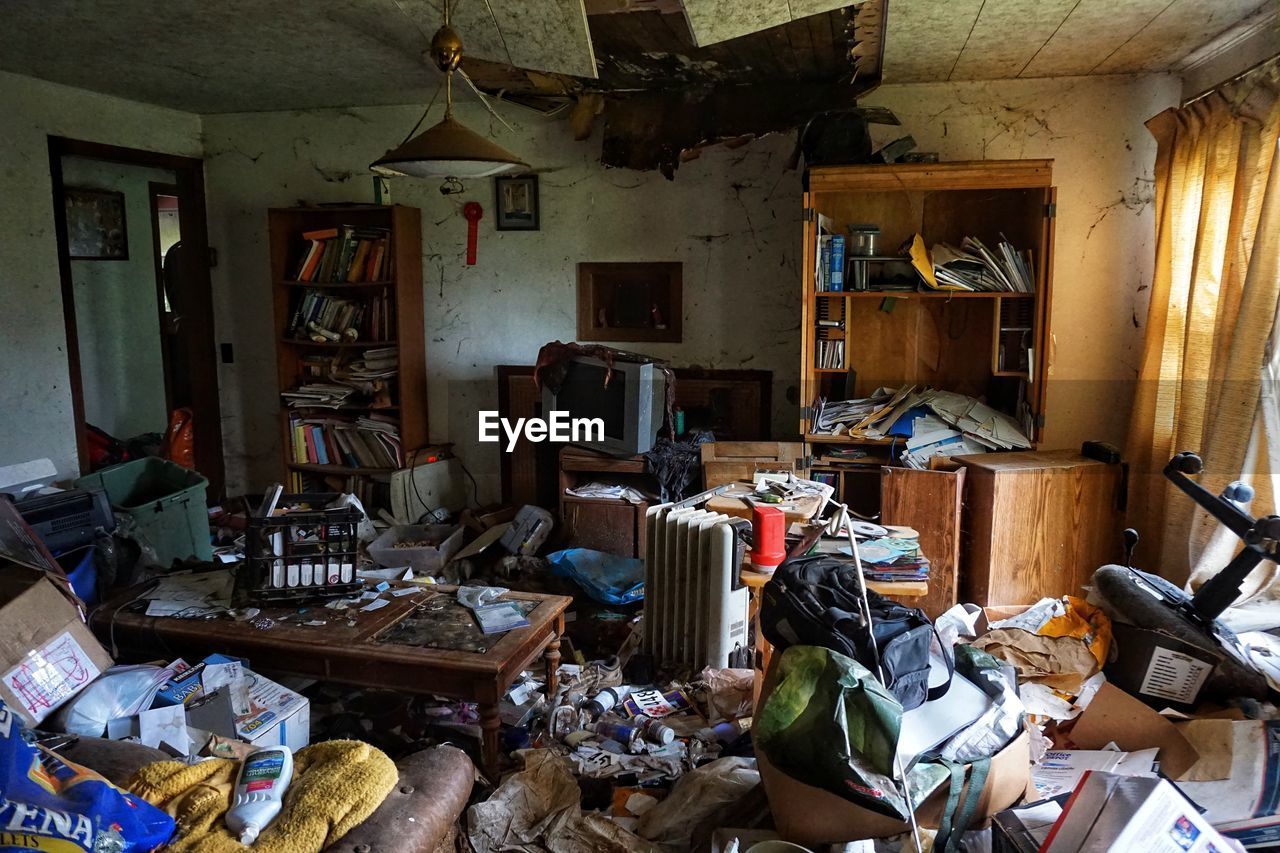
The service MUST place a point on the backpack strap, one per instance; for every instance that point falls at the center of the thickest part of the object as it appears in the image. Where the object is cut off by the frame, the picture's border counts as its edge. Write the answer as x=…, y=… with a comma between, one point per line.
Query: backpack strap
x=964, y=815
x=948, y=657
x=952, y=804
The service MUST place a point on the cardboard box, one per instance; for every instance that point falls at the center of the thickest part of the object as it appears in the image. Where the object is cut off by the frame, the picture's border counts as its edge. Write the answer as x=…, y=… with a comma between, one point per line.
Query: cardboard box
x=814, y=817
x=47, y=653
x=277, y=717
x=1117, y=814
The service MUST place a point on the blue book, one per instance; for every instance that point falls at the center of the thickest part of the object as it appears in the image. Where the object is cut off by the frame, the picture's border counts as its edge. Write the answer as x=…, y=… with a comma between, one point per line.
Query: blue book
x=836, y=271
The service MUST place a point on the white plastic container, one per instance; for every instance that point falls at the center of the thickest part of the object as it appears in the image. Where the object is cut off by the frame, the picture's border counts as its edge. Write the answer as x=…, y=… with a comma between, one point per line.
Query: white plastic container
x=264, y=777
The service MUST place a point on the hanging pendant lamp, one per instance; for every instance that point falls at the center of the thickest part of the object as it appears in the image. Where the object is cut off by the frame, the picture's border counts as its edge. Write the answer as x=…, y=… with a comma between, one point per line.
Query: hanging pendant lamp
x=448, y=149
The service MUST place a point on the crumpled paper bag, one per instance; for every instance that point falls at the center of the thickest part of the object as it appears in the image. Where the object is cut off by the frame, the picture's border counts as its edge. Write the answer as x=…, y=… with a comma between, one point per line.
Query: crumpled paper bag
x=1063, y=663
x=729, y=693
x=542, y=805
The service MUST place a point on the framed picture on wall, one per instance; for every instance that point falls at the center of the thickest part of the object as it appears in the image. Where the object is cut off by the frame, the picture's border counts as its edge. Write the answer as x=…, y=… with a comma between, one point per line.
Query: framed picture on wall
x=96, y=229
x=516, y=202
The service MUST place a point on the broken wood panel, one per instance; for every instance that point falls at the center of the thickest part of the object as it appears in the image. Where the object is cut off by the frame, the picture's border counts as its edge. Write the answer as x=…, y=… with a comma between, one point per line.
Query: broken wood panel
x=650, y=130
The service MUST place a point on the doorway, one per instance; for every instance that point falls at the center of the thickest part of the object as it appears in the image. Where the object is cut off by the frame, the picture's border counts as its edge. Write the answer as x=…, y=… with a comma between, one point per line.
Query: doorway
x=134, y=259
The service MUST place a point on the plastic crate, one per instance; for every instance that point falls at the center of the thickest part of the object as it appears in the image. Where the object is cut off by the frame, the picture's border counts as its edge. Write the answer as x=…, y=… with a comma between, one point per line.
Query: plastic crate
x=305, y=554
x=165, y=500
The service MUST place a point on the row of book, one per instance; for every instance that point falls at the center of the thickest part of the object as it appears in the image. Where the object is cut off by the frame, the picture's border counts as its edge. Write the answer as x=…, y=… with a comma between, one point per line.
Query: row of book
x=974, y=267
x=829, y=275
x=371, y=492
x=322, y=317
x=345, y=254
x=371, y=441
x=830, y=355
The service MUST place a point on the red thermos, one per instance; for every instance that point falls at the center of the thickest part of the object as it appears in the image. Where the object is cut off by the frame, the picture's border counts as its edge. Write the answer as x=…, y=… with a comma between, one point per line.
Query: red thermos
x=768, y=532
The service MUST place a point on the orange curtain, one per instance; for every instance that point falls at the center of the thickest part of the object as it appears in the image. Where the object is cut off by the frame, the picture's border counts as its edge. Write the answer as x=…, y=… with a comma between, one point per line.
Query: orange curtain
x=1210, y=324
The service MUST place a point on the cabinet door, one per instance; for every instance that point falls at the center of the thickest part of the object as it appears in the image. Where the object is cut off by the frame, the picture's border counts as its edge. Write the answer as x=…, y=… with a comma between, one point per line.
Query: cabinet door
x=1037, y=393
x=807, y=332
x=610, y=526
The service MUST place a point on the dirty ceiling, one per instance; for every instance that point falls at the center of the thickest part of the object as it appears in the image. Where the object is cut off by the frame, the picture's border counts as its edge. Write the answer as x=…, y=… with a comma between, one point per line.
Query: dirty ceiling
x=1000, y=39
x=251, y=55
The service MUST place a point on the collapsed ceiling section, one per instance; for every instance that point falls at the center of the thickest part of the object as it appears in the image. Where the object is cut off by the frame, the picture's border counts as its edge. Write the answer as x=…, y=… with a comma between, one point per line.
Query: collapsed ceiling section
x=661, y=97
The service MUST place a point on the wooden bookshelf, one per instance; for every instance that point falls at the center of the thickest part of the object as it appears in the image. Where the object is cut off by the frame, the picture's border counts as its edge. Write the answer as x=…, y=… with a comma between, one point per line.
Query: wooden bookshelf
x=972, y=343
x=402, y=286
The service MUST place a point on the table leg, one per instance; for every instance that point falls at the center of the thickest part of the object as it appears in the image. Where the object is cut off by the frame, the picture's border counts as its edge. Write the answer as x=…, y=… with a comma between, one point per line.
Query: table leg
x=552, y=656
x=490, y=723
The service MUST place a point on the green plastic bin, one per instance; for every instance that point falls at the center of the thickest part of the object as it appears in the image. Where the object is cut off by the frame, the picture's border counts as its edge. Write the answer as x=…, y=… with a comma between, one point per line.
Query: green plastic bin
x=166, y=501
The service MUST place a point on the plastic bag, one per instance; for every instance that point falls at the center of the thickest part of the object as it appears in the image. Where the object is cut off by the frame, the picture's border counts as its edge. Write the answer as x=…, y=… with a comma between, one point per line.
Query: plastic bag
x=698, y=795
x=121, y=691
x=180, y=439
x=52, y=804
x=607, y=578
x=830, y=724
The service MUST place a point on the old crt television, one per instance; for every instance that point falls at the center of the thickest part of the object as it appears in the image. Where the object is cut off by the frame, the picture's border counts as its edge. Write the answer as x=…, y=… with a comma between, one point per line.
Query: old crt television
x=631, y=405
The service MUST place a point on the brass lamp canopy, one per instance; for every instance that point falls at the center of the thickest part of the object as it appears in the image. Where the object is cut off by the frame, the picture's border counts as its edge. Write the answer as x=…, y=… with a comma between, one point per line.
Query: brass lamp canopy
x=448, y=149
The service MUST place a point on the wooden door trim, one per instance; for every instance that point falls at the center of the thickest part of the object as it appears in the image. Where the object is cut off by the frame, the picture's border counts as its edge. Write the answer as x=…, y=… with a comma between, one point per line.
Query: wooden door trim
x=193, y=221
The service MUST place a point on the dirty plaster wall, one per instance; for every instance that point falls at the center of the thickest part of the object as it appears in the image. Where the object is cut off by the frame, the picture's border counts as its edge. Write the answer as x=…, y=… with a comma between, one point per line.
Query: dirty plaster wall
x=732, y=218
x=1104, y=158
x=35, y=399
x=117, y=318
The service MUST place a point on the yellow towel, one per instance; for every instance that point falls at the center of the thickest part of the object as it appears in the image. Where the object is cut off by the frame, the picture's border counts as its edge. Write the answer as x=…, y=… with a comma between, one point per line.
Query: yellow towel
x=336, y=785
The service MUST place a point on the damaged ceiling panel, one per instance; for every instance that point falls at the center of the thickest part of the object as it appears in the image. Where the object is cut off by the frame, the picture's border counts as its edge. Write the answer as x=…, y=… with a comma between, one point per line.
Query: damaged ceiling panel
x=663, y=97
x=713, y=21
x=1004, y=39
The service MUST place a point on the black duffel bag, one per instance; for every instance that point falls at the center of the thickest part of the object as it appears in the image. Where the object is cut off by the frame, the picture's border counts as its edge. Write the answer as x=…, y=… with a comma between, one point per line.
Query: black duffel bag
x=817, y=601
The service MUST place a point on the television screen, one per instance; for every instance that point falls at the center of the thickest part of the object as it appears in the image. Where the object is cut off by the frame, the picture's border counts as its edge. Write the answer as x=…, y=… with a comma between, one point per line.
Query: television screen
x=584, y=395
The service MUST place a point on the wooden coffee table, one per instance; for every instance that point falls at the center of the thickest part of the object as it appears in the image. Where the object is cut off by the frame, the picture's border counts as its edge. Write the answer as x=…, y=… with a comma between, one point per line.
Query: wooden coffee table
x=420, y=643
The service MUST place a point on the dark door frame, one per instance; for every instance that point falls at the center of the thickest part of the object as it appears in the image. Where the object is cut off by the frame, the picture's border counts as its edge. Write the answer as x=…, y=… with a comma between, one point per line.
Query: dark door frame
x=192, y=220
x=154, y=191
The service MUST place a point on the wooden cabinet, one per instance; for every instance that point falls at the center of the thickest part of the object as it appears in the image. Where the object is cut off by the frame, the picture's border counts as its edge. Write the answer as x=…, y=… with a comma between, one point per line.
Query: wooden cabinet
x=929, y=502
x=1038, y=524
x=603, y=524
x=990, y=345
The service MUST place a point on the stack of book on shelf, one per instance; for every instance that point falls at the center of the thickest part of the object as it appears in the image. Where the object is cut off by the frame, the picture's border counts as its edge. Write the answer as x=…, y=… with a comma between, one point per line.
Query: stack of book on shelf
x=321, y=317
x=974, y=267
x=345, y=255
x=929, y=423
x=367, y=442
x=318, y=395
x=378, y=363
x=828, y=275
x=896, y=557
x=830, y=355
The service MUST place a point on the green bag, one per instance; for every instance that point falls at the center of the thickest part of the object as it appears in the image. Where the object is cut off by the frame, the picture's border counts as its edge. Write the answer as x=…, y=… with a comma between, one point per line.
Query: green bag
x=830, y=724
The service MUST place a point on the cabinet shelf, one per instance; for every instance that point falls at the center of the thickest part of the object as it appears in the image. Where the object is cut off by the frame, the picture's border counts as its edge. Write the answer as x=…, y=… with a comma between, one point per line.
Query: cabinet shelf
x=339, y=285
x=924, y=294
x=336, y=469
x=293, y=342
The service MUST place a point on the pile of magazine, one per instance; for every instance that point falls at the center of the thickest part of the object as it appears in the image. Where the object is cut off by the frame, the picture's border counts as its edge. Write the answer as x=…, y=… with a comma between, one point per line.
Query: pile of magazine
x=974, y=267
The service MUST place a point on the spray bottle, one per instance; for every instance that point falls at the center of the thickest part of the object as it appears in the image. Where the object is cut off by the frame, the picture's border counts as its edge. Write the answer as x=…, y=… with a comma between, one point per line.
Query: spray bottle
x=259, y=794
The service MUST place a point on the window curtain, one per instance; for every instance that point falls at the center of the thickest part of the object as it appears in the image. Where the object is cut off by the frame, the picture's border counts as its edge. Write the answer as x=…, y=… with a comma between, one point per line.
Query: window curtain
x=1211, y=357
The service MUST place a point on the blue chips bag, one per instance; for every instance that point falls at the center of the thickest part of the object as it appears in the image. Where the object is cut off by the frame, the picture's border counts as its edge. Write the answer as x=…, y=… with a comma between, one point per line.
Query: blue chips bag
x=49, y=804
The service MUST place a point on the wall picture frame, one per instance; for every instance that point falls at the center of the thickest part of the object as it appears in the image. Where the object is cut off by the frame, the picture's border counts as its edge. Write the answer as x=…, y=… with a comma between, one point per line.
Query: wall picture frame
x=516, y=203
x=96, y=226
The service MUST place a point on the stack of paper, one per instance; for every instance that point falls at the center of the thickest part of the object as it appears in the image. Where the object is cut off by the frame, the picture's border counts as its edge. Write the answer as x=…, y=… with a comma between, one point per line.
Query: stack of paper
x=932, y=422
x=318, y=395
x=974, y=267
